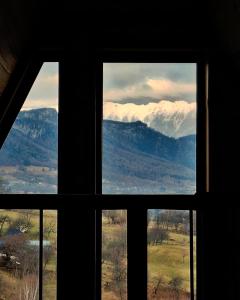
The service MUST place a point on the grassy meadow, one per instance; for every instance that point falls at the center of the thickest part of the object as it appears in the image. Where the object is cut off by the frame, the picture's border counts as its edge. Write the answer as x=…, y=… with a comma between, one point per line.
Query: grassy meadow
x=114, y=255
x=168, y=255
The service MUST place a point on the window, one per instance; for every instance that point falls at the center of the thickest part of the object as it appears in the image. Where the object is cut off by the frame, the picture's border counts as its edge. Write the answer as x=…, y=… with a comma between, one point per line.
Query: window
x=152, y=119
x=29, y=165
x=87, y=226
x=149, y=128
x=21, y=254
x=114, y=254
x=49, y=255
x=169, y=254
x=29, y=156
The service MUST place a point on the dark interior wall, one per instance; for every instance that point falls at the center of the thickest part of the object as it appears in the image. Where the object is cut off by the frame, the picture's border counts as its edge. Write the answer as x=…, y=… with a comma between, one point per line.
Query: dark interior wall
x=209, y=27
x=77, y=36
x=15, y=31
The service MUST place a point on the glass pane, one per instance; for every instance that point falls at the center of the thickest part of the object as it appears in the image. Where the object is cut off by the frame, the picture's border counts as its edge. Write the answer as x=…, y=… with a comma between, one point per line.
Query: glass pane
x=149, y=128
x=114, y=255
x=28, y=158
x=50, y=255
x=195, y=252
x=168, y=255
x=19, y=254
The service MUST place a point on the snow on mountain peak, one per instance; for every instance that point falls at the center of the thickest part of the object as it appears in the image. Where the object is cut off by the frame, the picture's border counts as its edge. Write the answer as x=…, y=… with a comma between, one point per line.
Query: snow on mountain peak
x=172, y=118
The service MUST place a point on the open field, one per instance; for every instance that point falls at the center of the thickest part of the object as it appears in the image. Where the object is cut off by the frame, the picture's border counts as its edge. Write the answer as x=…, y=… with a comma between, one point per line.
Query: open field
x=114, y=255
x=168, y=256
x=170, y=259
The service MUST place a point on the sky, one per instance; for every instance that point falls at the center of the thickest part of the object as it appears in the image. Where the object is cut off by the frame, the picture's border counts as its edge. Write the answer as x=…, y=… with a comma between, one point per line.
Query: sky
x=142, y=83
x=44, y=92
x=138, y=83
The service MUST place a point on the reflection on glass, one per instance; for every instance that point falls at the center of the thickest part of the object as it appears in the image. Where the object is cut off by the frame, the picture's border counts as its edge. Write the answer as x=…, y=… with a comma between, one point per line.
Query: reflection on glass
x=168, y=255
x=50, y=255
x=19, y=254
x=114, y=255
x=149, y=128
x=28, y=157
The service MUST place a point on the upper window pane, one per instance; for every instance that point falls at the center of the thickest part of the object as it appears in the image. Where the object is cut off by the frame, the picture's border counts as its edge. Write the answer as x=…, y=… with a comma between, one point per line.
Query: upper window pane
x=149, y=128
x=28, y=158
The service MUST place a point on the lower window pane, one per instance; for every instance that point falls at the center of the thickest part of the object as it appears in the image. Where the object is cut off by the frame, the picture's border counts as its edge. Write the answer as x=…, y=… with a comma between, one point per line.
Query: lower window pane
x=49, y=254
x=114, y=254
x=19, y=254
x=195, y=252
x=168, y=254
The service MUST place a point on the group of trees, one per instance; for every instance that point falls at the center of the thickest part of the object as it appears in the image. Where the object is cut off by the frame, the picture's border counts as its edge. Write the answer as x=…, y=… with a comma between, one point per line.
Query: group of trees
x=156, y=235
x=22, y=223
x=177, y=220
x=161, y=222
x=19, y=257
x=115, y=216
x=114, y=253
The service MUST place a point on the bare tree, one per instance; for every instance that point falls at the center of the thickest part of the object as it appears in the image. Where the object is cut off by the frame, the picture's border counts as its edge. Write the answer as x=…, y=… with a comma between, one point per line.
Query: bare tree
x=175, y=285
x=157, y=235
x=48, y=253
x=20, y=257
x=3, y=220
x=157, y=286
x=29, y=288
x=115, y=217
x=49, y=229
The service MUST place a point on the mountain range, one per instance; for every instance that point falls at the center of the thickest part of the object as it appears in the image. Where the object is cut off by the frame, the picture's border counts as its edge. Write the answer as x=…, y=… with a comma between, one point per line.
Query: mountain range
x=138, y=159
x=32, y=140
x=172, y=118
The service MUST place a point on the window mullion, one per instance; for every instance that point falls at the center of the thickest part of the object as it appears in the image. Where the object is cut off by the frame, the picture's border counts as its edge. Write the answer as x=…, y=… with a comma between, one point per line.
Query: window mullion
x=191, y=255
x=98, y=254
x=40, y=254
x=137, y=254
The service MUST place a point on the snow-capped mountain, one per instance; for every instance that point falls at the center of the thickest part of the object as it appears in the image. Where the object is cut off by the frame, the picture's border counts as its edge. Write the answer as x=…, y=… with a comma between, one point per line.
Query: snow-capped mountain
x=172, y=118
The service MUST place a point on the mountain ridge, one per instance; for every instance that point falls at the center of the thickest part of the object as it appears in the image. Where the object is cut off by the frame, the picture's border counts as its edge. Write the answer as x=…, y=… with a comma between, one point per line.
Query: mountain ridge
x=138, y=159
x=32, y=139
x=172, y=118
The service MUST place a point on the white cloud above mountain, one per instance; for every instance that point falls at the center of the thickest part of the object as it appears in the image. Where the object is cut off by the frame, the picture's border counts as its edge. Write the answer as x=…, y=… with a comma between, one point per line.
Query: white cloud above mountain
x=153, y=80
x=172, y=118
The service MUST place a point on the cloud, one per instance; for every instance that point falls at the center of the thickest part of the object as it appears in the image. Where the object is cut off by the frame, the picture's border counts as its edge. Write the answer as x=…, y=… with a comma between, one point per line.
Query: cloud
x=174, y=119
x=44, y=87
x=44, y=92
x=153, y=88
x=153, y=80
